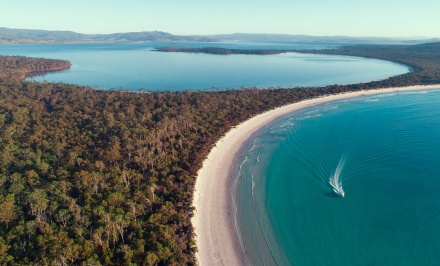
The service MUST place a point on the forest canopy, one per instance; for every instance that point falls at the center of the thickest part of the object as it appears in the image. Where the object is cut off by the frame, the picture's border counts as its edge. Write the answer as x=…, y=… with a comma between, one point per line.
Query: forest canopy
x=92, y=177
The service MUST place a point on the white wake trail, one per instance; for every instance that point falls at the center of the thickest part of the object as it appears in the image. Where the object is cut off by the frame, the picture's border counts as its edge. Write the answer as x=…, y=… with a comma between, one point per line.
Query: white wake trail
x=335, y=181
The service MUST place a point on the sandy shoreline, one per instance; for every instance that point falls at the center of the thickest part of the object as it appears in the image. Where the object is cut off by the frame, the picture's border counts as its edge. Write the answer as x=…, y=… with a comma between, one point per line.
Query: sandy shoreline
x=214, y=220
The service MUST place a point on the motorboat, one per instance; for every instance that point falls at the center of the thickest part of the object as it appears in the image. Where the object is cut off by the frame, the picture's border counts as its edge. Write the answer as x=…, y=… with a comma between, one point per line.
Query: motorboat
x=339, y=191
x=337, y=188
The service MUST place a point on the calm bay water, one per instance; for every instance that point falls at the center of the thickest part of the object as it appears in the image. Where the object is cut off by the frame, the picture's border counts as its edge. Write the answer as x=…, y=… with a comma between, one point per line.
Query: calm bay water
x=388, y=150
x=135, y=66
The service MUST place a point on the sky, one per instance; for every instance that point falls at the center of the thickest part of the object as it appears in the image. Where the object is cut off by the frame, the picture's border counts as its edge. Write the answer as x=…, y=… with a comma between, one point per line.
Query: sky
x=381, y=18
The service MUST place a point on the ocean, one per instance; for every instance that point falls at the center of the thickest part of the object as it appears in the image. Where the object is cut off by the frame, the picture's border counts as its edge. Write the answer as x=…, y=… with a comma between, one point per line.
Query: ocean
x=385, y=151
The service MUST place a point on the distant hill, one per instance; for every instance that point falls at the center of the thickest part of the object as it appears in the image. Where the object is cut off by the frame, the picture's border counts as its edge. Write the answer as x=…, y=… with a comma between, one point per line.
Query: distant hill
x=37, y=36
x=249, y=37
x=15, y=36
x=42, y=36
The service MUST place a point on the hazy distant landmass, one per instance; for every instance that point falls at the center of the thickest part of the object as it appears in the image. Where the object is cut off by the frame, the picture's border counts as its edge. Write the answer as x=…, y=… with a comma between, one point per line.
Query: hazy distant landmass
x=24, y=36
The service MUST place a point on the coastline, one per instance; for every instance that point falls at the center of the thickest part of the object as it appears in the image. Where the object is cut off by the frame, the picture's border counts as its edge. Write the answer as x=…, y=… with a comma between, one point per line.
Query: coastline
x=214, y=221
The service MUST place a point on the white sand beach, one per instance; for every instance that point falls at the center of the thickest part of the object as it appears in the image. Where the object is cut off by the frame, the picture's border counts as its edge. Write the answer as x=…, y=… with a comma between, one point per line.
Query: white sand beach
x=214, y=219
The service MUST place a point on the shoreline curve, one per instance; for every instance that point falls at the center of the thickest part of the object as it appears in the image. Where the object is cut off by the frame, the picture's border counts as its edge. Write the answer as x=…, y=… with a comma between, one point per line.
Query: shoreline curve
x=214, y=220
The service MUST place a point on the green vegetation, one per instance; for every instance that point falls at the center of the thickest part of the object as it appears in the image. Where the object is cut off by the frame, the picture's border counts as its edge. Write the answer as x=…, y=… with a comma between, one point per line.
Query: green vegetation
x=106, y=177
x=220, y=51
x=17, y=68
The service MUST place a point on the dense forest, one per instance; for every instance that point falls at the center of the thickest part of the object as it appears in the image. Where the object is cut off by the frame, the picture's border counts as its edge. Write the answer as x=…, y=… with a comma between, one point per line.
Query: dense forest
x=220, y=51
x=93, y=177
x=17, y=68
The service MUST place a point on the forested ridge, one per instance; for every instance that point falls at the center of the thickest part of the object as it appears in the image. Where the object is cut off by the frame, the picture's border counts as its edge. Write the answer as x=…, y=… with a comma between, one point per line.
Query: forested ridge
x=93, y=177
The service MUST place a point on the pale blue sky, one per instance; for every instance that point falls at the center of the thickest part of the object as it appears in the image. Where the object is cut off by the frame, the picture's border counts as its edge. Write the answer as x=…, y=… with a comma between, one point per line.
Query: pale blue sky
x=392, y=18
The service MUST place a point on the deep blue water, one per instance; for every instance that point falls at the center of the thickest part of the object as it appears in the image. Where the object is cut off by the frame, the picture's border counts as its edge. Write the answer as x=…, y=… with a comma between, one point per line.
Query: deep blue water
x=387, y=149
x=135, y=66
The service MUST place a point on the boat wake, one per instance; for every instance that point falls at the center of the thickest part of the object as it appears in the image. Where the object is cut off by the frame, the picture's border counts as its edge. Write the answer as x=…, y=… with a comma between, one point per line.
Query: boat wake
x=335, y=180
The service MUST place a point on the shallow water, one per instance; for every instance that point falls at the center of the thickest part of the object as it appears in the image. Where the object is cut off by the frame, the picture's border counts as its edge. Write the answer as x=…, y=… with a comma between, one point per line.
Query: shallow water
x=135, y=66
x=390, y=148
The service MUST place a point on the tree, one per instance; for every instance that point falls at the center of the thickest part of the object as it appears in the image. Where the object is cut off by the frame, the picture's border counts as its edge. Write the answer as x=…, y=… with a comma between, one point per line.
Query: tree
x=7, y=209
x=38, y=203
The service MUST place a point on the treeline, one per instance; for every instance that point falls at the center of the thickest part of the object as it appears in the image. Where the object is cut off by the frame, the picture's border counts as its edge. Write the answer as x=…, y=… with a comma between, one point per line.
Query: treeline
x=220, y=51
x=16, y=68
x=92, y=177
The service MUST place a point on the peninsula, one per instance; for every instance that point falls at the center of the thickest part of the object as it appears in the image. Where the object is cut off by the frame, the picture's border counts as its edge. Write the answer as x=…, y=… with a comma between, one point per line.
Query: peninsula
x=108, y=177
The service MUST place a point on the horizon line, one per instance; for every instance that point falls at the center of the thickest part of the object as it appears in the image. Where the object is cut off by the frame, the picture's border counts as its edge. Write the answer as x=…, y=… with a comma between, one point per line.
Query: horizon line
x=234, y=33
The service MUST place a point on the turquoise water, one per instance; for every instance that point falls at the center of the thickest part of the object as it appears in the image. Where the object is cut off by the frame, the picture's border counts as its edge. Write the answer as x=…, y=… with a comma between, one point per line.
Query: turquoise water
x=135, y=66
x=388, y=151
